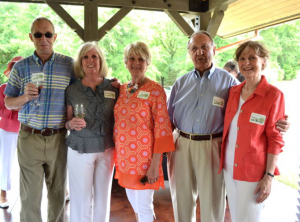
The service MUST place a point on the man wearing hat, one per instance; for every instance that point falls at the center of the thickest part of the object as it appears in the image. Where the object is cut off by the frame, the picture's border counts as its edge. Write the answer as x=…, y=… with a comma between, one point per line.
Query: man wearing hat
x=42, y=152
x=9, y=128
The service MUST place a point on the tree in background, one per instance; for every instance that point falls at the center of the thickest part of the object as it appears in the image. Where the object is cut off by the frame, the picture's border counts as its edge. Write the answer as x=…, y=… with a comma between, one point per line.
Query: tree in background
x=167, y=43
x=283, y=41
x=170, y=51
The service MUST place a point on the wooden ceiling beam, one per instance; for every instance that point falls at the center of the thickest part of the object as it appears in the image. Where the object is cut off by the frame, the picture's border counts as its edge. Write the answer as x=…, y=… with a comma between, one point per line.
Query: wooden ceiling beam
x=61, y=12
x=113, y=21
x=180, y=22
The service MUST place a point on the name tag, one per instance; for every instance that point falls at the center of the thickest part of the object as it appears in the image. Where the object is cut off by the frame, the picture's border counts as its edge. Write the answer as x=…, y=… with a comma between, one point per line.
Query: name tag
x=37, y=77
x=257, y=119
x=109, y=94
x=143, y=95
x=217, y=101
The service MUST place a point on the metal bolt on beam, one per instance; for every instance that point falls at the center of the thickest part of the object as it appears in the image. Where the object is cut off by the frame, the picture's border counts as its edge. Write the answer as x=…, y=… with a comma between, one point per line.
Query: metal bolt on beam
x=169, y=5
x=133, y=2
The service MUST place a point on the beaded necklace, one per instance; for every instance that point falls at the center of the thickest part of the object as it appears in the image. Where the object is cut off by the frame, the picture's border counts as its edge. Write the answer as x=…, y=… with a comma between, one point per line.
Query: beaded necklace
x=133, y=89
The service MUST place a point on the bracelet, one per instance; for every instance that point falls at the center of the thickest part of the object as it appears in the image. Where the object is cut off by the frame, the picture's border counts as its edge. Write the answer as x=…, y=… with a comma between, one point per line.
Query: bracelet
x=269, y=174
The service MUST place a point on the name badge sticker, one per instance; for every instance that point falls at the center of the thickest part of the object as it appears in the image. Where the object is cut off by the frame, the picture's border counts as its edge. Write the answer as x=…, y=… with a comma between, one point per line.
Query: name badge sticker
x=257, y=118
x=109, y=94
x=37, y=77
x=143, y=95
x=217, y=101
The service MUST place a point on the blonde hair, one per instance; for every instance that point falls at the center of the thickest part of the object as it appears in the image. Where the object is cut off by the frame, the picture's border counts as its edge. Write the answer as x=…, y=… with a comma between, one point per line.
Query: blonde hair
x=83, y=49
x=138, y=49
x=259, y=48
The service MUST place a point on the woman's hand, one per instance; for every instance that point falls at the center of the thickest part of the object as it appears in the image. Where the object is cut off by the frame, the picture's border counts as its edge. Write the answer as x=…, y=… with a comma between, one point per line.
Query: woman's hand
x=77, y=124
x=263, y=188
x=153, y=171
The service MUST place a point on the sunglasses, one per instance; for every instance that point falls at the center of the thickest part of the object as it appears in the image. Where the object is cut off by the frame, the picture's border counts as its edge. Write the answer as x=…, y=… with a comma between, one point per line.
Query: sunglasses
x=39, y=35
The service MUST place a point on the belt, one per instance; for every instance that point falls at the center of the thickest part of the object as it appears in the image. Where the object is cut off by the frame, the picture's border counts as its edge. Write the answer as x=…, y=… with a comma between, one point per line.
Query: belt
x=43, y=132
x=200, y=137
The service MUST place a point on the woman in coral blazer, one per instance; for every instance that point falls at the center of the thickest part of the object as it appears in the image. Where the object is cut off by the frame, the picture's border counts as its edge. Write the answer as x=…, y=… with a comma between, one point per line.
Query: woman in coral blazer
x=251, y=143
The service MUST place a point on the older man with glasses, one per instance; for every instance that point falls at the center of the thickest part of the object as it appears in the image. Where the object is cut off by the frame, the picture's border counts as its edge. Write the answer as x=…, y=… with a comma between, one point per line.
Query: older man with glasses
x=196, y=109
x=41, y=145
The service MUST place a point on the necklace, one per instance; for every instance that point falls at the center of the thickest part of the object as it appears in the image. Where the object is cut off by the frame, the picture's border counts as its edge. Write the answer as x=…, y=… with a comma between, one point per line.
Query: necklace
x=133, y=89
x=248, y=90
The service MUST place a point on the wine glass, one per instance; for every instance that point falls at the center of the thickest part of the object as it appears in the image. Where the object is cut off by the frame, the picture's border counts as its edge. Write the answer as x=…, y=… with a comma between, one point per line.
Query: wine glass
x=79, y=110
x=39, y=86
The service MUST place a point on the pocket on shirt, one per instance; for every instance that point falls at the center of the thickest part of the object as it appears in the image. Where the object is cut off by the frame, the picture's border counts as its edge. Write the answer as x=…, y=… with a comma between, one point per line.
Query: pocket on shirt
x=23, y=134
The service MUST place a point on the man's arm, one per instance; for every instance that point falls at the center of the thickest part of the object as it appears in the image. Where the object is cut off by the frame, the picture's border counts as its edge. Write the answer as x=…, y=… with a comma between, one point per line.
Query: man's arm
x=30, y=93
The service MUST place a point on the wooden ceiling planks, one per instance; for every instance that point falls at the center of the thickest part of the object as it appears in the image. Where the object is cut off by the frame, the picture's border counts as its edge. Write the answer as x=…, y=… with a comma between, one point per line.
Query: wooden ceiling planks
x=247, y=15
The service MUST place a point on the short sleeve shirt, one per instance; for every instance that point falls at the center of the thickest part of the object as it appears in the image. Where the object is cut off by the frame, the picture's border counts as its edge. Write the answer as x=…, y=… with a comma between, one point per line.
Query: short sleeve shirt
x=58, y=74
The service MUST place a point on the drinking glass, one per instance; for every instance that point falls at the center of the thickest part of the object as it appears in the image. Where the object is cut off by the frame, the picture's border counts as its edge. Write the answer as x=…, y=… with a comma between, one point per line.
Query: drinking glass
x=39, y=87
x=79, y=110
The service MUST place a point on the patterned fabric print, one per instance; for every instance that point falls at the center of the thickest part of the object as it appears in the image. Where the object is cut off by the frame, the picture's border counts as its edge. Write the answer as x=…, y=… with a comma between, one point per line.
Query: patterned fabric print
x=139, y=122
x=97, y=136
x=58, y=74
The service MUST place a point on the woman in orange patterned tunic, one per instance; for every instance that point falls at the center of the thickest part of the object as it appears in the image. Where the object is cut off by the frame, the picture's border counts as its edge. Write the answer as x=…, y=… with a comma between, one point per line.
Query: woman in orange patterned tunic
x=142, y=133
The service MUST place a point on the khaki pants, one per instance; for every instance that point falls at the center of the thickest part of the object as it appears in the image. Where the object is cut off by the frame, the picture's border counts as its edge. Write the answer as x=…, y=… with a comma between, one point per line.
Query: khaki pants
x=42, y=157
x=193, y=171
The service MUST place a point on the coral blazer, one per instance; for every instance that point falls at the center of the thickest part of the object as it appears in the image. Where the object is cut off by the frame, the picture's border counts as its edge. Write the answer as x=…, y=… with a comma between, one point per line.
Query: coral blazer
x=257, y=135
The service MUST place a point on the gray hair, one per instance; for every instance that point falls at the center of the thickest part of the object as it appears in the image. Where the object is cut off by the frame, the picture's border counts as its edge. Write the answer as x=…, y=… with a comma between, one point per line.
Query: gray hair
x=41, y=19
x=232, y=65
x=200, y=32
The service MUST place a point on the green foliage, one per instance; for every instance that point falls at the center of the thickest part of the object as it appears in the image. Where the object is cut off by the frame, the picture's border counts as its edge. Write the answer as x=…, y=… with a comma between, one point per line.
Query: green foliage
x=283, y=42
x=169, y=49
x=167, y=43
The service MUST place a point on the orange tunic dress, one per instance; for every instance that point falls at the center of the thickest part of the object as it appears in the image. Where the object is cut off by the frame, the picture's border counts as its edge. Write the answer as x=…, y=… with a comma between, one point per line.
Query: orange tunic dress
x=142, y=128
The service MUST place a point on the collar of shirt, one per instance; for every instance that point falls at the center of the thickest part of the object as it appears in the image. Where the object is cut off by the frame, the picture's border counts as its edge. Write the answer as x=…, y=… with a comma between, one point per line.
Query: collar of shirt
x=84, y=88
x=207, y=74
x=260, y=90
x=39, y=62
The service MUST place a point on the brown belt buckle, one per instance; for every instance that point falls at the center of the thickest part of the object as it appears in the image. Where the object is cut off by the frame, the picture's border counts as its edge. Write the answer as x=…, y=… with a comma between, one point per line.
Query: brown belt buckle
x=45, y=132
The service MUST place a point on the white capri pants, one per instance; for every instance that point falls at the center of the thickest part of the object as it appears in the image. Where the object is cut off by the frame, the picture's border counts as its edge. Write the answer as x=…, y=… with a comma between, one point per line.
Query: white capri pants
x=8, y=146
x=142, y=203
x=241, y=198
x=90, y=180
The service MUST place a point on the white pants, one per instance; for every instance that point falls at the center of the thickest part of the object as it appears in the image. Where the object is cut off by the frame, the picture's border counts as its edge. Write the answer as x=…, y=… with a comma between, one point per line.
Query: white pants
x=241, y=198
x=8, y=146
x=142, y=203
x=90, y=180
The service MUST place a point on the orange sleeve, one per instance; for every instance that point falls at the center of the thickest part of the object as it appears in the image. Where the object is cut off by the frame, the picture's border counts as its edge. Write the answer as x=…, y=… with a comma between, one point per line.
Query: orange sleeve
x=162, y=126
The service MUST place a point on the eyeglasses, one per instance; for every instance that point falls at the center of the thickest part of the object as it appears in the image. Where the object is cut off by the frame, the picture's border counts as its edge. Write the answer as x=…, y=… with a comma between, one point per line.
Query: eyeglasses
x=39, y=35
